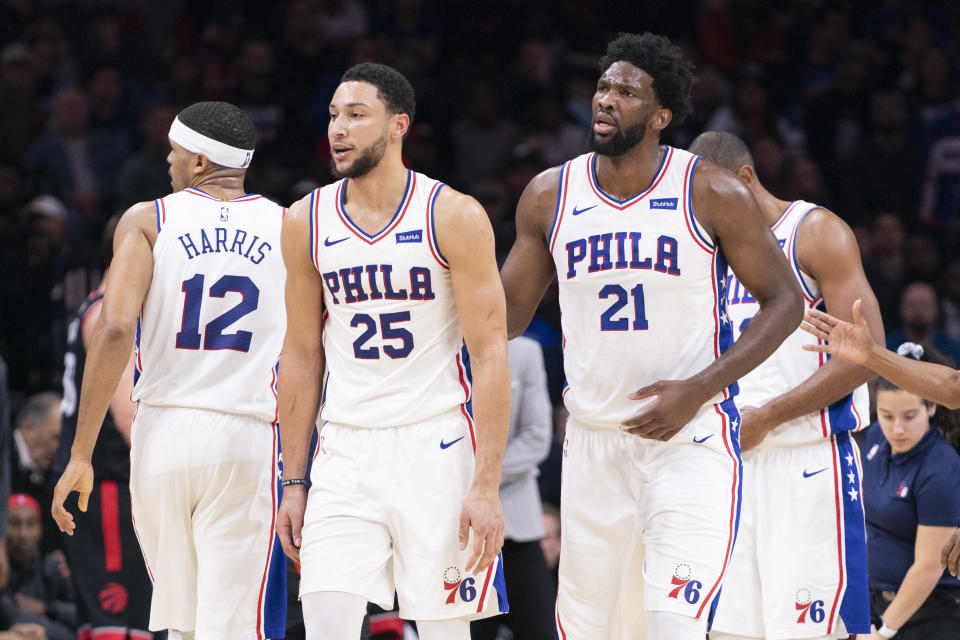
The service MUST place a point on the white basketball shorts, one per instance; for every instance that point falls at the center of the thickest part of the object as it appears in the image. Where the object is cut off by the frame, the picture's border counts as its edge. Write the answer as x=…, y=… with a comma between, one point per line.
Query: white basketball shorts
x=799, y=568
x=644, y=520
x=202, y=487
x=383, y=516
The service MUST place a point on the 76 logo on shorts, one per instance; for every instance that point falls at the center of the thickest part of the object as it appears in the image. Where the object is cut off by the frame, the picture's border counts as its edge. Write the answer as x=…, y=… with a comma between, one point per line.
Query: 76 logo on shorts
x=682, y=581
x=457, y=586
x=806, y=604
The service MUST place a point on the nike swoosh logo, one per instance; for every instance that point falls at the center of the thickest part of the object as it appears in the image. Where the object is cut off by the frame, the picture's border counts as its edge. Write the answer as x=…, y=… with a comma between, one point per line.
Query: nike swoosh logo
x=703, y=439
x=328, y=243
x=807, y=475
x=577, y=212
x=444, y=445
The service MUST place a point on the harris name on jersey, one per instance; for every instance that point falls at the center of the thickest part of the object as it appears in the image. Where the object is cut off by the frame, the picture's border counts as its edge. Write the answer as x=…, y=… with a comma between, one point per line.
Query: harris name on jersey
x=255, y=249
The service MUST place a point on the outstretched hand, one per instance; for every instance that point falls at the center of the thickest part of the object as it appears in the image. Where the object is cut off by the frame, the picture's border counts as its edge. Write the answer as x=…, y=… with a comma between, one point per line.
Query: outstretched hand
x=78, y=476
x=850, y=341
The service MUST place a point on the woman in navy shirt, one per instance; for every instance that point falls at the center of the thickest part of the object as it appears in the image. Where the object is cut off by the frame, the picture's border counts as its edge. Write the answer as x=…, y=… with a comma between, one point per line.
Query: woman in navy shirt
x=911, y=491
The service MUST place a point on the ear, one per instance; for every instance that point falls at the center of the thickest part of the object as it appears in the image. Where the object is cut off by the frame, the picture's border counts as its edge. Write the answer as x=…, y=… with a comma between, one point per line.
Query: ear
x=200, y=164
x=661, y=118
x=399, y=125
x=747, y=175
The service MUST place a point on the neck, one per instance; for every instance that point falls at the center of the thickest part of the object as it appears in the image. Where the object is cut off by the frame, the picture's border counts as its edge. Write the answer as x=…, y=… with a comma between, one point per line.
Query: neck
x=223, y=187
x=381, y=188
x=918, y=334
x=770, y=206
x=628, y=174
x=23, y=562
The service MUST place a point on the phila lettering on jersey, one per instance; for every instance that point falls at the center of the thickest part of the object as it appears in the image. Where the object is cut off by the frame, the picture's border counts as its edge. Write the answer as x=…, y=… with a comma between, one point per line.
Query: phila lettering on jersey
x=790, y=365
x=641, y=288
x=394, y=347
x=212, y=324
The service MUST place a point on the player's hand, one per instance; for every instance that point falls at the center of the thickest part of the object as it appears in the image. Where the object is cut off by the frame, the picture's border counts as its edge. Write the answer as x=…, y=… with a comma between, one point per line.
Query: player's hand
x=674, y=405
x=290, y=520
x=78, y=476
x=851, y=342
x=481, y=512
x=950, y=554
x=754, y=427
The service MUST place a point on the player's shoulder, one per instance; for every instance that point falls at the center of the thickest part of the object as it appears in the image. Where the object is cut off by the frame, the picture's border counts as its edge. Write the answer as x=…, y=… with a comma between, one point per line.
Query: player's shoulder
x=298, y=213
x=455, y=205
x=822, y=229
x=711, y=181
x=141, y=216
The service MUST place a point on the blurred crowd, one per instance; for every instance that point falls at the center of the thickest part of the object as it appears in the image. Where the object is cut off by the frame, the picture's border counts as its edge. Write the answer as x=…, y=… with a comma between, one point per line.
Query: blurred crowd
x=850, y=104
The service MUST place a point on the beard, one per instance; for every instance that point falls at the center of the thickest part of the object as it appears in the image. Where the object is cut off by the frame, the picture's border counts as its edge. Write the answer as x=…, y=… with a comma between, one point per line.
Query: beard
x=365, y=162
x=621, y=141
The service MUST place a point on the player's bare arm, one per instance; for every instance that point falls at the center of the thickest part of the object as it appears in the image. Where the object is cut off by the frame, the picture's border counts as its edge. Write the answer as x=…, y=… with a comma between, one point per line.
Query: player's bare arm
x=466, y=240
x=853, y=342
x=122, y=408
x=528, y=269
x=827, y=251
x=301, y=370
x=730, y=215
x=109, y=350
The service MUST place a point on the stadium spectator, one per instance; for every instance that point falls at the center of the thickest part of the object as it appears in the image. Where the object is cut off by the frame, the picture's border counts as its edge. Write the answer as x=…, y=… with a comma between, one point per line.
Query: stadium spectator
x=39, y=583
x=919, y=313
x=35, y=441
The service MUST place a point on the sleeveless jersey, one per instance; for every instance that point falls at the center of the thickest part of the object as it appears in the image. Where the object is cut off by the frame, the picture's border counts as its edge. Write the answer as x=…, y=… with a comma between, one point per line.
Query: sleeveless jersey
x=213, y=321
x=790, y=365
x=640, y=288
x=392, y=339
x=111, y=457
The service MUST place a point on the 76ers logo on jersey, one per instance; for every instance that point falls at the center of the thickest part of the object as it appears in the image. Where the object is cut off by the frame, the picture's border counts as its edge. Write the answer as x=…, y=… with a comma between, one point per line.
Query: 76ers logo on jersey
x=807, y=605
x=682, y=582
x=457, y=586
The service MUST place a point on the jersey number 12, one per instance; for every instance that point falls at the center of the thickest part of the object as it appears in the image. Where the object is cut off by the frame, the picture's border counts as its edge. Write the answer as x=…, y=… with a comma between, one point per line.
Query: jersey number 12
x=214, y=338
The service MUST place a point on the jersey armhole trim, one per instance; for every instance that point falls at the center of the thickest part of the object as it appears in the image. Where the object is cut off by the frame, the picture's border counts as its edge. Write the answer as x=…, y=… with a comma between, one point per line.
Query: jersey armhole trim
x=161, y=213
x=697, y=232
x=804, y=287
x=314, y=245
x=432, y=226
x=561, y=203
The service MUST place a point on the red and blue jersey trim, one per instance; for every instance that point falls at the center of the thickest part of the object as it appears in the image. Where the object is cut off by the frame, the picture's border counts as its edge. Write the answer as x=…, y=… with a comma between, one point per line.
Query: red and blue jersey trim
x=561, y=203
x=272, y=598
x=432, y=226
x=466, y=383
x=394, y=221
x=692, y=225
x=203, y=194
x=723, y=325
x=784, y=215
x=620, y=205
x=792, y=257
x=853, y=592
x=730, y=417
x=161, y=213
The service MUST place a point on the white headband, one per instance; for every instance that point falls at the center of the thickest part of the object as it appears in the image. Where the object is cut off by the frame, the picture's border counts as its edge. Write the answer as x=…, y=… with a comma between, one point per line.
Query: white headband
x=195, y=142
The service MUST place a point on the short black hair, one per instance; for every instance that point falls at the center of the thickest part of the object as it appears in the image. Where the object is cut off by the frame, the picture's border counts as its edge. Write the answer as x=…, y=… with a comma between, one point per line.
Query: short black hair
x=393, y=89
x=722, y=149
x=671, y=71
x=221, y=121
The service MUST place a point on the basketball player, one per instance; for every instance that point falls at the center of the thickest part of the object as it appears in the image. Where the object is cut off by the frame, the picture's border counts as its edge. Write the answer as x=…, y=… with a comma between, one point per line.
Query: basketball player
x=392, y=279
x=196, y=280
x=640, y=236
x=111, y=584
x=799, y=568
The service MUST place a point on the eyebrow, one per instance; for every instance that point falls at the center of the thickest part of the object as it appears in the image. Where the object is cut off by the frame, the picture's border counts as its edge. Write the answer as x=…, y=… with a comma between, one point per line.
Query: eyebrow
x=350, y=104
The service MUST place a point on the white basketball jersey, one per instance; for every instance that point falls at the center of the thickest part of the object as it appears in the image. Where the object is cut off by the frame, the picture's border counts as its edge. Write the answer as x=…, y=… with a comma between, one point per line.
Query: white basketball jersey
x=640, y=288
x=790, y=364
x=393, y=343
x=212, y=324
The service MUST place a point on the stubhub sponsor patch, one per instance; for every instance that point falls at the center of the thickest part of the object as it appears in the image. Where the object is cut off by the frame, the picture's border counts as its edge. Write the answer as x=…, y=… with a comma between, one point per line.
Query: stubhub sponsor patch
x=663, y=203
x=410, y=236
